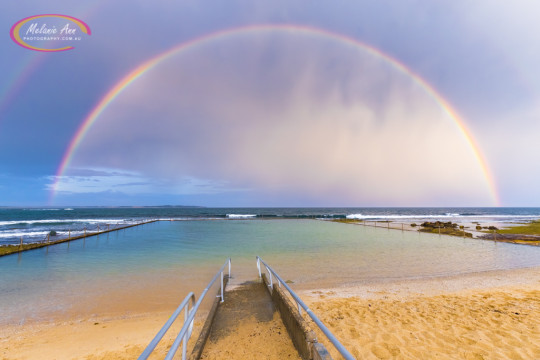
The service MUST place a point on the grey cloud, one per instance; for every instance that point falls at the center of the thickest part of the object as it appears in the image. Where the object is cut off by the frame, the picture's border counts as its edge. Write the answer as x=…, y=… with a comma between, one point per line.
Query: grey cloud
x=281, y=112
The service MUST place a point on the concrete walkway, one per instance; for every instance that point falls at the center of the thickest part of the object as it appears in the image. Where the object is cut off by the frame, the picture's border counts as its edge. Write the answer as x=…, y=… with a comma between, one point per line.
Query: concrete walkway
x=248, y=326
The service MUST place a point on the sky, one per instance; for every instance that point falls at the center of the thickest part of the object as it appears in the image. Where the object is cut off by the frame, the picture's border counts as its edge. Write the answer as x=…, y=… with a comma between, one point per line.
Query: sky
x=274, y=103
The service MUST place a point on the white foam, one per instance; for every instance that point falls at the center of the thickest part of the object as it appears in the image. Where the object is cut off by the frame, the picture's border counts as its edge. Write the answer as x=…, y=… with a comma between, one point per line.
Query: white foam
x=49, y=221
x=241, y=216
x=18, y=234
x=42, y=209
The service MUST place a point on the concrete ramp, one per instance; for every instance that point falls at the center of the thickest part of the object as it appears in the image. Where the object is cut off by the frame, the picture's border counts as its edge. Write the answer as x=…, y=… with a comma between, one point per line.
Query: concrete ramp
x=248, y=326
x=256, y=320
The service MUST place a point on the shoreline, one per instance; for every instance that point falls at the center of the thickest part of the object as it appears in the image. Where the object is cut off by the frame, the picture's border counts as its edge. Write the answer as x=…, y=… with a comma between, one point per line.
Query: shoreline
x=432, y=286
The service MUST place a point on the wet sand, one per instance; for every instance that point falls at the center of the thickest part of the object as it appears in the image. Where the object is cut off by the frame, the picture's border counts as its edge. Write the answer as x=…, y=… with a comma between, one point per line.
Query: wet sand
x=493, y=315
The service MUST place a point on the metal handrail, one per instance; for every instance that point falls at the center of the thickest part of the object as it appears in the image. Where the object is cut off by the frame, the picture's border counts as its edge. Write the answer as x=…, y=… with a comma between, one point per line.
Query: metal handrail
x=342, y=350
x=155, y=341
x=185, y=333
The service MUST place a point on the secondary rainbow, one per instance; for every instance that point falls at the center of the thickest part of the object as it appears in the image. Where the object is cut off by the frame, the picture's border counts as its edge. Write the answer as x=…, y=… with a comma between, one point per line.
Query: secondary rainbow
x=140, y=70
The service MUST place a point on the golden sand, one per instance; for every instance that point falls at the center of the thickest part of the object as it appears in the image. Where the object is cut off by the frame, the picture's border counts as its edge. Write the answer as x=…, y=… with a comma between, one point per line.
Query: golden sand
x=501, y=324
x=492, y=316
x=90, y=339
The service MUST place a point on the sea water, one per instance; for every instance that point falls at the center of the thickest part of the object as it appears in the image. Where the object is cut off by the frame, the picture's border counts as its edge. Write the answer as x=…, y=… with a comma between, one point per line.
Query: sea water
x=154, y=266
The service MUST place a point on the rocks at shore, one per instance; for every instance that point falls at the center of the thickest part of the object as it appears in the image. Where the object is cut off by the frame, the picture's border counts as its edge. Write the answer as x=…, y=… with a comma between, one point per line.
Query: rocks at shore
x=446, y=228
x=439, y=224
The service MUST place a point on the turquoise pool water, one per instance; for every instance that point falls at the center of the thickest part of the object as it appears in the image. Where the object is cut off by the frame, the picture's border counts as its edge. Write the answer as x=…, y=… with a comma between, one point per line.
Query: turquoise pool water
x=153, y=266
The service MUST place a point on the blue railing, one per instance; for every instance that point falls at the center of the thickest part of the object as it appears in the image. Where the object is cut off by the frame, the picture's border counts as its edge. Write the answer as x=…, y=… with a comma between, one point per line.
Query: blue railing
x=185, y=333
x=301, y=305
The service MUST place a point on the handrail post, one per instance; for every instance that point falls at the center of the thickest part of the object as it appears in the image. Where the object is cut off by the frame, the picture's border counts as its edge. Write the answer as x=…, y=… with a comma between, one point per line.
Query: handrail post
x=271, y=280
x=259, y=266
x=229, y=268
x=222, y=300
x=184, y=342
x=190, y=330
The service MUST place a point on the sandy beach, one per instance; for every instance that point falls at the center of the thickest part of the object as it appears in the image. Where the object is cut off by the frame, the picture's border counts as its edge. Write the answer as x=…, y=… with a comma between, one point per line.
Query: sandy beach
x=493, y=315
x=498, y=324
x=475, y=319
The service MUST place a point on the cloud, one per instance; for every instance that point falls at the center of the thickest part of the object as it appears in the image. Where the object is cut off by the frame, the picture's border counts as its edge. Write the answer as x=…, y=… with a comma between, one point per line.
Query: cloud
x=482, y=56
x=277, y=114
x=84, y=181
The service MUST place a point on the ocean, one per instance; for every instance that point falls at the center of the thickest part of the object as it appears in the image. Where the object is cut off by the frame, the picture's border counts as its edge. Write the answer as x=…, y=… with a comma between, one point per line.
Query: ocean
x=153, y=266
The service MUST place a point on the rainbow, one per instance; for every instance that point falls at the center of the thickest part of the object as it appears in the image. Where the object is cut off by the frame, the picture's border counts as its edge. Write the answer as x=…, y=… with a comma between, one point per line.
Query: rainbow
x=140, y=70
